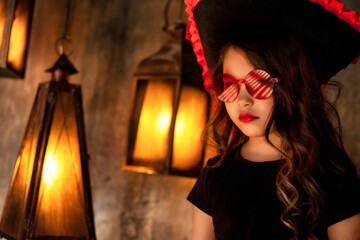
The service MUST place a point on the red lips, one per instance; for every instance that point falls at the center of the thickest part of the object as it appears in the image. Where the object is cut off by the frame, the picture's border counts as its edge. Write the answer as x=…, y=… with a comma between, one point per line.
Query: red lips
x=247, y=117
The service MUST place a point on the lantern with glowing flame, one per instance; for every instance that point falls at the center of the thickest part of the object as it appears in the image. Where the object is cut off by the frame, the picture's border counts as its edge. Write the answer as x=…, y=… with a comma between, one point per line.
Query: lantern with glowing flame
x=169, y=112
x=49, y=195
x=15, y=21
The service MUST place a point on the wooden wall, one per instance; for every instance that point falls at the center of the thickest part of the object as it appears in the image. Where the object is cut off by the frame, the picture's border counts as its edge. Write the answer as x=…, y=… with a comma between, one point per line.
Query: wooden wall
x=110, y=37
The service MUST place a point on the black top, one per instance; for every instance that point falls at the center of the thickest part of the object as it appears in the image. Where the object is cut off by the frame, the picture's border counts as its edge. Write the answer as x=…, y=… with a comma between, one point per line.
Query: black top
x=240, y=197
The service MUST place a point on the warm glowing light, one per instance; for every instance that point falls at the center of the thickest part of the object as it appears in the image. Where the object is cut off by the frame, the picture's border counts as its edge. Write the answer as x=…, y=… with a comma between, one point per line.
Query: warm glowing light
x=152, y=137
x=50, y=170
x=15, y=201
x=180, y=124
x=163, y=121
x=54, y=177
x=2, y=19
x=17, y=43
x=60, y=209
x=189, y=125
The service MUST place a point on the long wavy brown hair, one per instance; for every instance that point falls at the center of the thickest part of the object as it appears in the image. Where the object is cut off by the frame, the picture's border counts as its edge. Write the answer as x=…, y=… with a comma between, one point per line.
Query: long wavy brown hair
x=306, y=120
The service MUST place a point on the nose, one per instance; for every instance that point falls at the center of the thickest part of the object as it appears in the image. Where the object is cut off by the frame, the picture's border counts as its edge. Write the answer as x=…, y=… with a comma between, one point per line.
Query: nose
x=244, y=98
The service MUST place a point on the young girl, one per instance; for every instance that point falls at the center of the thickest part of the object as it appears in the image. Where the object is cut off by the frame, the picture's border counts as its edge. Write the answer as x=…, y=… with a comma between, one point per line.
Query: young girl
x=283, y=172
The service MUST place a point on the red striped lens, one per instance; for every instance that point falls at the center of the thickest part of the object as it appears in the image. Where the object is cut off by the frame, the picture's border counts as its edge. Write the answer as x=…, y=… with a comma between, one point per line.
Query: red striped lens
x=258, y=83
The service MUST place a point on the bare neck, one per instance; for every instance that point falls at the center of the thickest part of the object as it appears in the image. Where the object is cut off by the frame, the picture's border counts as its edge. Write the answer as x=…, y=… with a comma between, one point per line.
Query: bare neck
x=257, y=149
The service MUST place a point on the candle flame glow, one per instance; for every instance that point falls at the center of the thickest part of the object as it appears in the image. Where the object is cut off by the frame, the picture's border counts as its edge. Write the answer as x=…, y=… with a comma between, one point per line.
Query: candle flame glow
x=50, y=170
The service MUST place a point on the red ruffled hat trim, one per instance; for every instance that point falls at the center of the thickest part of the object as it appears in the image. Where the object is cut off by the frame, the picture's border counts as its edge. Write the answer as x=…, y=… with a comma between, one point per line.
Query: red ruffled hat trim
x=192, y=33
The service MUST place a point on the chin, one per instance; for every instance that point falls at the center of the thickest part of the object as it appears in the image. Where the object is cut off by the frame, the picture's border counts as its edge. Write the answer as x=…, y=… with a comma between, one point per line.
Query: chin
x=252, y=131
x=253, y=134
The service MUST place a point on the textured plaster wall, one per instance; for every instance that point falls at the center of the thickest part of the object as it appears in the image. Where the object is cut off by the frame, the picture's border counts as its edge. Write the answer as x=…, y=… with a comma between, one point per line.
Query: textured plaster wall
x=110, y=38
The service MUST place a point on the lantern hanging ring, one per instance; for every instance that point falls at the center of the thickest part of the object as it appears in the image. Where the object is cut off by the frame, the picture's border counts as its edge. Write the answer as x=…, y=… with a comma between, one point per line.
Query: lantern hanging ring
x=64, y=45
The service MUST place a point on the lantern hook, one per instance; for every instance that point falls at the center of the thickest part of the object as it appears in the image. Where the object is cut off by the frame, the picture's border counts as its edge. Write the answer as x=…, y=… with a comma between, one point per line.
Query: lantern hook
x=64, y=41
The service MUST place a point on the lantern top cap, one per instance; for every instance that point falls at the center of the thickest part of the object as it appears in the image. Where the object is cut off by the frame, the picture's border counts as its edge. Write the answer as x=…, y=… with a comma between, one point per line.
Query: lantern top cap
x=64, y=64
x=167, y=60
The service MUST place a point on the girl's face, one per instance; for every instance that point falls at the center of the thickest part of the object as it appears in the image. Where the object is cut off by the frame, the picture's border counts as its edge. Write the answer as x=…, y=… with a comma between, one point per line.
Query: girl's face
x=249, y=114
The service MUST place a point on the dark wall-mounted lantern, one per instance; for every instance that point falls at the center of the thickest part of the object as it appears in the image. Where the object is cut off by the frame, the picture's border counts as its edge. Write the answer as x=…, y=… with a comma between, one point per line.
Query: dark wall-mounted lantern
x=15, y=23
x=169, y=111
x=49, y=195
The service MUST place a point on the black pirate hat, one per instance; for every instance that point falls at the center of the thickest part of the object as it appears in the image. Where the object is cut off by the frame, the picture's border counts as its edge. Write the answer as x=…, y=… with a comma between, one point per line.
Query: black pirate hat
x=329, y=34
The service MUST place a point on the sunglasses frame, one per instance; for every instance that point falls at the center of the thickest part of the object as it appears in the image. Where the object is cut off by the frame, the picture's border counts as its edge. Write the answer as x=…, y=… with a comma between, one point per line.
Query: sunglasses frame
x=260, y=78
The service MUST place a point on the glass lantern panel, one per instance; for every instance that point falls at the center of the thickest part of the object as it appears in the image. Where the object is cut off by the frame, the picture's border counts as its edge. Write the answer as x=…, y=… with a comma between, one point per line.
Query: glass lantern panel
x=61, y=207
x=190, y=123
x=155, y=98
x=2, y=20
x=19, y=35
x=18, y=191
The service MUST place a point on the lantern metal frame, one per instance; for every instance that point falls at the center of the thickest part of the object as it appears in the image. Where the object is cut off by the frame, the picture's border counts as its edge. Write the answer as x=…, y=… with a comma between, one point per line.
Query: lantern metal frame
x=174, y=62
x=42, y=114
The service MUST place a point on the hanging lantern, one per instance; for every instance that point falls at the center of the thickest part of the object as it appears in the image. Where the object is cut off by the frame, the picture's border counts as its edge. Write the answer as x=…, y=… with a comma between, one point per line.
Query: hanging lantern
x=49, y=195
x=15, y=22
x=169, y=112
